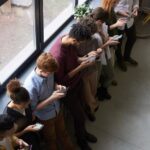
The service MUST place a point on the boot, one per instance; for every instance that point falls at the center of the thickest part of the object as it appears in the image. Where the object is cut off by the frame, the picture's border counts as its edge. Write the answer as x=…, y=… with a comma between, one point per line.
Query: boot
x=83, y=144
x=102, y=94
x=89, y=114
x=90, y=138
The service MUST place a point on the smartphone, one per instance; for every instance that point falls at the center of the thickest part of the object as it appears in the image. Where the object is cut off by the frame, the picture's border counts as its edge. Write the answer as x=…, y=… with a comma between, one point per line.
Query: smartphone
x=117, y=37
x=26, y=148
x=91, y=58
x=63, y=90
x=38, y=126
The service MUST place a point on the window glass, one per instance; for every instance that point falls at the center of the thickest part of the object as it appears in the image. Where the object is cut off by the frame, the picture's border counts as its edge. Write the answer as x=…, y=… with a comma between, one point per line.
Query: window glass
x=56, y=12
x=17, y=34
x=81, y=2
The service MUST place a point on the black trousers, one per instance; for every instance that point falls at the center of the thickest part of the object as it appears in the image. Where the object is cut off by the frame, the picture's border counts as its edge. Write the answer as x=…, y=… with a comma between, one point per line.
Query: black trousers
x=131, y=38
x=74, y=103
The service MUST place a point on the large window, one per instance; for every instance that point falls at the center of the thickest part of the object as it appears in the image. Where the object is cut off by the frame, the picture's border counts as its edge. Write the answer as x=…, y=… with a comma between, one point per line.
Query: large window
x=81, y=2
x=26, y=26
x=17, y=35
x=55, y=13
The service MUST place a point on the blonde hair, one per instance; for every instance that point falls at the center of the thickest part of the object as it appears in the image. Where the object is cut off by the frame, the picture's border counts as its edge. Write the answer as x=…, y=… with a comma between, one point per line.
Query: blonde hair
x=47, y=63
x=108, y=5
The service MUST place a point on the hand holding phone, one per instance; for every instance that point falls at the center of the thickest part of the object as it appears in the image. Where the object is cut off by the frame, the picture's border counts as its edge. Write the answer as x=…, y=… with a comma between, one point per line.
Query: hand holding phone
x=38, y=126
x=63, y=89
x=116, y=37
x=91, y=58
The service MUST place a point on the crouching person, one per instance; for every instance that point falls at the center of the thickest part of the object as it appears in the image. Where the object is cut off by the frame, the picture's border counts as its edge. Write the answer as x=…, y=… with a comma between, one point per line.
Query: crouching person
x=45, y=101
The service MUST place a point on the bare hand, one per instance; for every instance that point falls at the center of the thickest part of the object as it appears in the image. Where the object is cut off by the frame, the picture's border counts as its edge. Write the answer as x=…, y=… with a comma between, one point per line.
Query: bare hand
x=56, y=95
x=99, y=51
x=112, y=42
x=92, y=53
x=60, y=87
x=86, y=64
x=135, y=12
x=21, y=143
x=121, y=22
x=30, y=128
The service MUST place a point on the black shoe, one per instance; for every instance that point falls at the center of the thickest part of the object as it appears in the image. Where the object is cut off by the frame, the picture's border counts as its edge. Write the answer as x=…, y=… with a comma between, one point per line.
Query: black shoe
x=90, y=138
x=83, y=144
x=122, y=66
x=99, y=94
x=91, y=116
x=102, y=94
x=114, y=83
x=106, y=94
x=132, y=61
x=96, y=109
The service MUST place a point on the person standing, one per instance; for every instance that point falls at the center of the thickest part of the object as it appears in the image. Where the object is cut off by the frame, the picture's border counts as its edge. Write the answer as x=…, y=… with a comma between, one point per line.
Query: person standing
x=70, y=74
x=45, y=97
x=128, y=10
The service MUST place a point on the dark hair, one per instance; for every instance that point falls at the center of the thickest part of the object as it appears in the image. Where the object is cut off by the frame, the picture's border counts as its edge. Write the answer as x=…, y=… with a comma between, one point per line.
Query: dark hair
x=99, y=14
x=90, y=23
x=80, y=32
x=16, y=92
x=6, y=122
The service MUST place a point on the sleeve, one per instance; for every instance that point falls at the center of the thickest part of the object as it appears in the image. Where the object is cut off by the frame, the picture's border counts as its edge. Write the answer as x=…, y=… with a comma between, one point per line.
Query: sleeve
x=33, y=93
x=119, y=6
x=34, y=98
x=135, y=4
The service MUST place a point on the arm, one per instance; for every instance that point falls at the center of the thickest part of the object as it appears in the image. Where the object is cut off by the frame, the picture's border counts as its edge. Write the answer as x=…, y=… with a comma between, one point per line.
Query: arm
x=64, y=74
x=120, y=22
x=56, y=95
x=35, y=105
x=135, y=8
x=18, y=142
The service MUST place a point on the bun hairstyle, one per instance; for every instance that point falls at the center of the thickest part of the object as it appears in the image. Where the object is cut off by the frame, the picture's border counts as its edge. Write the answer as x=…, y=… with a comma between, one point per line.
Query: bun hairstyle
x=16, y=92
x=13, y=86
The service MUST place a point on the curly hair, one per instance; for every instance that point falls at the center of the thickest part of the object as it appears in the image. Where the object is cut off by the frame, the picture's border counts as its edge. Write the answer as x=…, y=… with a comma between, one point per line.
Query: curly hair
x=47, y=63
x=80, y=32
x=16, y=92
x=90, y=23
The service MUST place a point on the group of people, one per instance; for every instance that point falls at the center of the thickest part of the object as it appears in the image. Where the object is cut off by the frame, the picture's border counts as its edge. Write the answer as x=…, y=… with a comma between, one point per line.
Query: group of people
x=74, y=75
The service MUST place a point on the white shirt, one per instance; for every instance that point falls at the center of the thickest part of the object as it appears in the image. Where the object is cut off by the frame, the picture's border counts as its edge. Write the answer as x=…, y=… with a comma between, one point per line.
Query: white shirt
x=127, y=6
